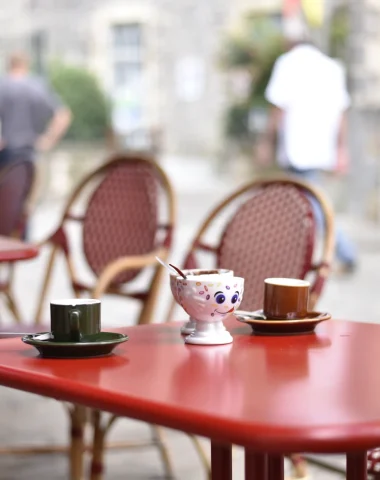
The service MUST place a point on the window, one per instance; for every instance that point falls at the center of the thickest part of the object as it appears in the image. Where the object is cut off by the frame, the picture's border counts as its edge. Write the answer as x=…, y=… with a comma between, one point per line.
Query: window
x=38, y=44
x=126, y=56
x=127, y=36
x=126, y=52
x=126, y=72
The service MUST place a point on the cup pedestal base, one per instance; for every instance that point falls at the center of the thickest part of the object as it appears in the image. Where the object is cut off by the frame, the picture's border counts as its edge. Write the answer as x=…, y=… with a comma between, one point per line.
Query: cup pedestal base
x=209, y=333
x=188, y=327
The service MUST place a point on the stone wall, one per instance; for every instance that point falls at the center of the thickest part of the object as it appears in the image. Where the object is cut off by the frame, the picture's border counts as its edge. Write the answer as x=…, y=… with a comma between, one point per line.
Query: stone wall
x=184, y=88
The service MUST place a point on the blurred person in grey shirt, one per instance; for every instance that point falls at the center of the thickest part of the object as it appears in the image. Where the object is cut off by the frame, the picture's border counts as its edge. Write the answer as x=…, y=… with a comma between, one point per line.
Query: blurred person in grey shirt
x=32, y=117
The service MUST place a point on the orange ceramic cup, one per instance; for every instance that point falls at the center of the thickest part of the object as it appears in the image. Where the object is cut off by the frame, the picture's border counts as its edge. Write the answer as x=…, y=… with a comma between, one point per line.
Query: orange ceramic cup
x=286, y=298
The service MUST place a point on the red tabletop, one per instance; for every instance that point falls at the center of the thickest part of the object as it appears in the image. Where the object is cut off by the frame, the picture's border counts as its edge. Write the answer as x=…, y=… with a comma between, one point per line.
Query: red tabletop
x=315, y=393
x=12, y=250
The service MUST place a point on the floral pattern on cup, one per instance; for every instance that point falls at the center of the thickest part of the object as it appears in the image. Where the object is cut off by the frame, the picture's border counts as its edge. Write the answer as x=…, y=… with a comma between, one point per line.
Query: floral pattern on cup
x=219, y=301
x=195, y=271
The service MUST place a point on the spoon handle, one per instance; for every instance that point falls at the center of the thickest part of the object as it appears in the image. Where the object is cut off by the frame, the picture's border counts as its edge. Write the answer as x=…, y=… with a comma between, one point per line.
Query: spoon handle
x=178, y=270
x=15, y=333
x=43, y=336
x=170, y=269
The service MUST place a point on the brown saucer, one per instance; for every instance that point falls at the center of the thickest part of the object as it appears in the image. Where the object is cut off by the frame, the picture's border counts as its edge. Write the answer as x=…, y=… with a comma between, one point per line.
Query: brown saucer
x=263, y=326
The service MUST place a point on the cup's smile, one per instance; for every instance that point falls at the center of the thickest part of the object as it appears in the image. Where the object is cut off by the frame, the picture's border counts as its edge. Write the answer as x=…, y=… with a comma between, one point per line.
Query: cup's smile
x=225, y=313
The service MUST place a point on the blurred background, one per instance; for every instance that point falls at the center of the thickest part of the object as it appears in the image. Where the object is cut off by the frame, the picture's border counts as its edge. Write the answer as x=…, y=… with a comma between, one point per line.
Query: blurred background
x=184, y=80
x=184, y=77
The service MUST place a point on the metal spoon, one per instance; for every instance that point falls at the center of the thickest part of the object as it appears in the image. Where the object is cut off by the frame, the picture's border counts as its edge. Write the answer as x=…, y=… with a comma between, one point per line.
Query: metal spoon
x=179, y=271
x=245, y=314
x=172, y=269
x=43, y=336
x=164, y=264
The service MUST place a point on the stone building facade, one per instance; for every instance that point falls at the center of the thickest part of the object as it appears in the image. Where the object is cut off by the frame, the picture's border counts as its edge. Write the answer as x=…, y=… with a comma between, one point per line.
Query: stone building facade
x=157, y=59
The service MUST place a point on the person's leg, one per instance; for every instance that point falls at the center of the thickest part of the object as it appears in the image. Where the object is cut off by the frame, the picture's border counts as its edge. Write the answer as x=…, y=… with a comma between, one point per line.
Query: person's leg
x=344, y=248
x=27, y=154
x=312, y=177
x=4, y=158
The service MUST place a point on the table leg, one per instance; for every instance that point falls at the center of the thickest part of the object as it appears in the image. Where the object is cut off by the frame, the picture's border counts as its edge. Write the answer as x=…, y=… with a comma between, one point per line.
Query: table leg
x=256, y=466
x=275, y=467
x=356, y=466
x=221, y=461
x=78, y=422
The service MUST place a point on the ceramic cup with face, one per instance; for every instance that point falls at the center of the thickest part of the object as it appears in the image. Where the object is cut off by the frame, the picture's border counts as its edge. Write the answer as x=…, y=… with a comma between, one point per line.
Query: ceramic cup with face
x=286, y=298
x=73, y=318
x=189, y=326
x=209, y=299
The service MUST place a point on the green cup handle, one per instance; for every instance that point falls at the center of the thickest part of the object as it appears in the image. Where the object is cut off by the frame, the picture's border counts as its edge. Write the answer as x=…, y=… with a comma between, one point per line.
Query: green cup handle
x=75, y=334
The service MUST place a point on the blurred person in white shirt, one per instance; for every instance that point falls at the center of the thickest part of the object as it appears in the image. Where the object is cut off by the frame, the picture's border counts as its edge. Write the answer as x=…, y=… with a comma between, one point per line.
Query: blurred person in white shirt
x=308, y=120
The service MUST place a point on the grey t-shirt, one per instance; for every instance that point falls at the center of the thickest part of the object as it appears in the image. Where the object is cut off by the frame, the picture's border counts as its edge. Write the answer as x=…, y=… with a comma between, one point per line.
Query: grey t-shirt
x=26, y=106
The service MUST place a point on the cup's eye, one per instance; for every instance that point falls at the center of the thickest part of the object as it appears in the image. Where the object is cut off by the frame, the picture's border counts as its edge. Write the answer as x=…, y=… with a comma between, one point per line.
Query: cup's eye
x=220, y=298
x=234, y=298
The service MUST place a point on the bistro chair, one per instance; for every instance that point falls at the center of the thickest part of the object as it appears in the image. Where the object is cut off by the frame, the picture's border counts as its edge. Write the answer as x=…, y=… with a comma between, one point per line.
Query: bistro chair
x=125, y=211
x=267, y=229
x=126, y=216
x=16, y=182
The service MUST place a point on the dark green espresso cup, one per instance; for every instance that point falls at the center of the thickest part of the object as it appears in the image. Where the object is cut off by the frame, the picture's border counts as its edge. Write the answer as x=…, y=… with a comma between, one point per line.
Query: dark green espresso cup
x=71, y=319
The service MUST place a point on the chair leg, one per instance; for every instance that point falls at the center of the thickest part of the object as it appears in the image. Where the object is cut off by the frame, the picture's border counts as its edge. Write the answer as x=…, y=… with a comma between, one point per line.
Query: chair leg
x=77, y=447
x=99, y=445
x=150, y=303
x=45, y=284
x=158, y=436
x=171, y=310
x=12, y=305
x=97, y=461
x=299, y=466
x=202, y=455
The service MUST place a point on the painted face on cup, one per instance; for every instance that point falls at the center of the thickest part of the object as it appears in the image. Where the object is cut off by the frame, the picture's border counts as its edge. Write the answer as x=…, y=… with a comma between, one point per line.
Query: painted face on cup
x=196, y=272
x=211, y=297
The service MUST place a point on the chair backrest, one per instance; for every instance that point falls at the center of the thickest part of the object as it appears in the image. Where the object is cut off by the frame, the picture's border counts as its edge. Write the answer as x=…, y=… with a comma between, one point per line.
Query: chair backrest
x=268, y=229
x=122, y=213
x=16, y=180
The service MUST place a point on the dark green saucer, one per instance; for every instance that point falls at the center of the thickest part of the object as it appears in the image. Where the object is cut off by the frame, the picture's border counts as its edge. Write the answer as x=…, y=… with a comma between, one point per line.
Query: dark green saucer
x=97, y=345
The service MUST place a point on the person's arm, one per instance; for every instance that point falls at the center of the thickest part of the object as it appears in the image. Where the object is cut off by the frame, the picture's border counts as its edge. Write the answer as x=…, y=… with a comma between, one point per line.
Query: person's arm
x=342, y=162
x=274, y=121
x=55, y=129
x=267, y=142
x=276, y=93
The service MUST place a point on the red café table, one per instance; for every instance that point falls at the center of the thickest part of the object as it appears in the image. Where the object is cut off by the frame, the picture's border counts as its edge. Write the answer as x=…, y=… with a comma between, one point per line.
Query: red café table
x=12, y=250
x=317, y=393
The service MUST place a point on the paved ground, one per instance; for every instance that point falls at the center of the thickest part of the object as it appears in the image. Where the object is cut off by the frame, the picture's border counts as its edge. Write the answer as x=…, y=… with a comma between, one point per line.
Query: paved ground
x=27, y=418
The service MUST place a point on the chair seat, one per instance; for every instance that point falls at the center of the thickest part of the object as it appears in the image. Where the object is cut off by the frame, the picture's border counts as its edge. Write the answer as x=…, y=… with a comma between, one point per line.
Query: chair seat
x=373, y=461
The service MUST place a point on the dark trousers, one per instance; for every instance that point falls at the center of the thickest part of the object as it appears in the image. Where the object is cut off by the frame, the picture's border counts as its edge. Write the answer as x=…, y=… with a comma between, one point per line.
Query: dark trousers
x=344, y=247
x=7, y=156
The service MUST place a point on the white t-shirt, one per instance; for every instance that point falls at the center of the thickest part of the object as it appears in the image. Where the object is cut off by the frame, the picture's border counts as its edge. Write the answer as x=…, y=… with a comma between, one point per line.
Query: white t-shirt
x=310, y=88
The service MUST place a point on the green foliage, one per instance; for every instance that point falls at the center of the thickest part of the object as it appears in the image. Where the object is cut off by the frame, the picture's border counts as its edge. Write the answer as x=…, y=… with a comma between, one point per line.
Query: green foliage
x=254, y=49
x=238, y=53
x=80, y=91
x=339, y=31
x=236, y=121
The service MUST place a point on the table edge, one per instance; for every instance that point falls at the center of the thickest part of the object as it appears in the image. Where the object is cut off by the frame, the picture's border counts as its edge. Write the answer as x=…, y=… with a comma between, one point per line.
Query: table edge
x=258, y=437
